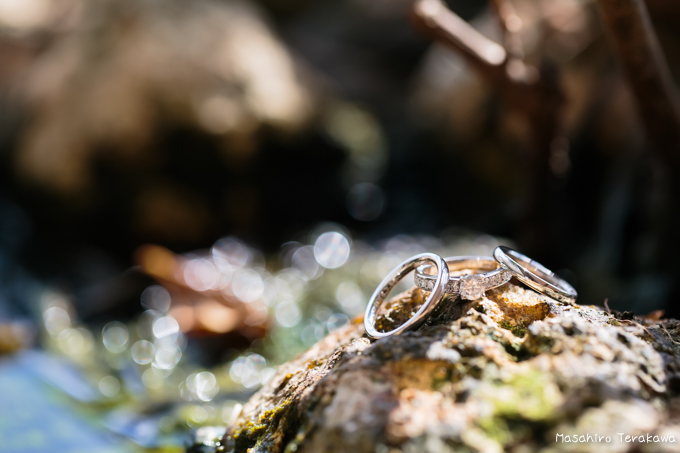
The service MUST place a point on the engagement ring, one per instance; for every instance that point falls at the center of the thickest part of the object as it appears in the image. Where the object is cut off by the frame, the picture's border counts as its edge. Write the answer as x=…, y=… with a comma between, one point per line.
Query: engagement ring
x=471, y=286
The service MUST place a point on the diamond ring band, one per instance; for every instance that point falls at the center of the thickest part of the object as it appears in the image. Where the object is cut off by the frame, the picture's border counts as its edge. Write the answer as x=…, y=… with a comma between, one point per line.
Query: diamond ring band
x=492, y=272
x=470, y=287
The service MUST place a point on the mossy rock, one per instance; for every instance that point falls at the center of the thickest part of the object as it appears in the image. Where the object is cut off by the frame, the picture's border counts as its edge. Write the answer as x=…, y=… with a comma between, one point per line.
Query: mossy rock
x=508, y=372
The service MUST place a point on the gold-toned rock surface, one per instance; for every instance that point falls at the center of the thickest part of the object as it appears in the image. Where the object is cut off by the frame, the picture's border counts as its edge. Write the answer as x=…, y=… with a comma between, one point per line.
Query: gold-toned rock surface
x=509, y=372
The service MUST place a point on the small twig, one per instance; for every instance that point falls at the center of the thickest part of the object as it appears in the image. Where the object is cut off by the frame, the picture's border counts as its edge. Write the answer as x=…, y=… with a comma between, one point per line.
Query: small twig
x=606, y=305
x=635, y=323
x=669, y=334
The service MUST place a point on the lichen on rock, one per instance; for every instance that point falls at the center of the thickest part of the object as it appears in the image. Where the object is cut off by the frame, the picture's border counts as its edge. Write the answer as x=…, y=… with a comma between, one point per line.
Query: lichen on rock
x=508, y=372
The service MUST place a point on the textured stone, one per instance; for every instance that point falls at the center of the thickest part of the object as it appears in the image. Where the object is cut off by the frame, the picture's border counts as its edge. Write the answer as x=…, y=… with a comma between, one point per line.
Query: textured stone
x=507, y=372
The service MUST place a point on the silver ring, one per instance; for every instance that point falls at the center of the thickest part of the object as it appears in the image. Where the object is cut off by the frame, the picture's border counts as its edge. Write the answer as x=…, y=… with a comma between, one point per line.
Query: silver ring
x=391, y=281
x=471, y=286
x=535, y=275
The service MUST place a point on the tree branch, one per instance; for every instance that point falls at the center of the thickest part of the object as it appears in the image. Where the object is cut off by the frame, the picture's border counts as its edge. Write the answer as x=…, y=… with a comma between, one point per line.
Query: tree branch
x=533, y=91
x=443, y=25
x=645, y=65
x=510, y=24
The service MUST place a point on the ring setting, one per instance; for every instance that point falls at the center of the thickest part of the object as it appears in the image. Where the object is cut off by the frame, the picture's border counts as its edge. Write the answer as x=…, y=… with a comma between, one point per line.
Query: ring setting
x=469, y=287
x=472, y=286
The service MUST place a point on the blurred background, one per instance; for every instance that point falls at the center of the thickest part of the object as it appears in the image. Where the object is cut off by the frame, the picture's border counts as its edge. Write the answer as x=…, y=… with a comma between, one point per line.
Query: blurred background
x=193, y=192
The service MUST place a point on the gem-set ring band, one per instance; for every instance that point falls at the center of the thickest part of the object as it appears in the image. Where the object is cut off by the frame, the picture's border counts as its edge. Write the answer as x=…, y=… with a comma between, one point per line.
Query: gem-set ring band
x=505, y=264
x=471, y=286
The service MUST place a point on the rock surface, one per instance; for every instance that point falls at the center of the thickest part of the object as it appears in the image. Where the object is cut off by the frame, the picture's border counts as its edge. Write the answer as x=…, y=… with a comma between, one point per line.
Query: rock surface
x=507, y=372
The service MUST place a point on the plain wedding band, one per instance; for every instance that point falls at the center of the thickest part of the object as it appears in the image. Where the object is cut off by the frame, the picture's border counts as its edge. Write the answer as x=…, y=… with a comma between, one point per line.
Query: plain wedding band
x=535, y=275
x=394, y=277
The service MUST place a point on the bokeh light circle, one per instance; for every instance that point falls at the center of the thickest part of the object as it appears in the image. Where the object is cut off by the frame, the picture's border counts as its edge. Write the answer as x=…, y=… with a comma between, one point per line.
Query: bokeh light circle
x=165, y=326
x=248, y=285
x=157, y=298
x=109, y=386
x=143, y=352
x=332, y=249
x=115, y=336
